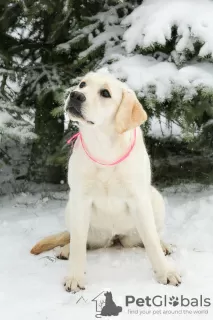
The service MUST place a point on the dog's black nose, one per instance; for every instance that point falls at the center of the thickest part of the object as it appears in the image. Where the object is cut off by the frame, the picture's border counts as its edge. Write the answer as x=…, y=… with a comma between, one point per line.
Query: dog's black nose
x=78, y=96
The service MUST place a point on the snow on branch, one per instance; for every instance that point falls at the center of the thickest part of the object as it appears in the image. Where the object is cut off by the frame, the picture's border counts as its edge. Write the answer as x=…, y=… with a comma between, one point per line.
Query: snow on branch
x=149, y=77
x=15, y=123
x=113, y=30
x=154, y=20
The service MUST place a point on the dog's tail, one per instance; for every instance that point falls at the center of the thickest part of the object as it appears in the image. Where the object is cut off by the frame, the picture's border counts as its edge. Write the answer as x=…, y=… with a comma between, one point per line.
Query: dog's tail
x=51, y=242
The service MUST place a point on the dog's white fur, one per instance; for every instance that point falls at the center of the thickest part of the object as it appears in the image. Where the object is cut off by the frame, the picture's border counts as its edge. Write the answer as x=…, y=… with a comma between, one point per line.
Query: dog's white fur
x=104, y=201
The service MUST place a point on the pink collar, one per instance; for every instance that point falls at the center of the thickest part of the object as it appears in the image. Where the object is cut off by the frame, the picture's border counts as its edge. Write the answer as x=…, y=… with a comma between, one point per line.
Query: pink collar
x=75, y=136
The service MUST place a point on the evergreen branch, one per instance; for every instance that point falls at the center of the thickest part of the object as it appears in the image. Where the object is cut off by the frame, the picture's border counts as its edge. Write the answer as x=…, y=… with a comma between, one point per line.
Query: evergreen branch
x=5, y=153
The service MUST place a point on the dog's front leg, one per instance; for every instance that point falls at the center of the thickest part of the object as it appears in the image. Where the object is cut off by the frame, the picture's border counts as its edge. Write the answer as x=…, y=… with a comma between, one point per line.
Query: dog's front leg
x=142, y=212
x=79, y=226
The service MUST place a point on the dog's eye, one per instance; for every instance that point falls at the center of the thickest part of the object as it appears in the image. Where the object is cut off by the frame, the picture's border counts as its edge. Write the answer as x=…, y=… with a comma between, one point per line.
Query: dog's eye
x=82, y=84
x=105, y=93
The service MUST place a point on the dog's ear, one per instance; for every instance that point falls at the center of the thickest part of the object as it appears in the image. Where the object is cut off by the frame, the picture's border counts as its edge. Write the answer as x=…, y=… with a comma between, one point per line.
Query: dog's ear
x=130, y=113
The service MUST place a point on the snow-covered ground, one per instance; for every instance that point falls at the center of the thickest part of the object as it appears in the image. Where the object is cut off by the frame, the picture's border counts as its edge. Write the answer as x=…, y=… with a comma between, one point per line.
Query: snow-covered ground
x=31, y=286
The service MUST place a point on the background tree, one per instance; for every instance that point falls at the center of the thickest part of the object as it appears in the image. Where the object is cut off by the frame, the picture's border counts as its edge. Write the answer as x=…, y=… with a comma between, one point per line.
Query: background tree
x=16, y=124
x=46, y=46
x=36, y=31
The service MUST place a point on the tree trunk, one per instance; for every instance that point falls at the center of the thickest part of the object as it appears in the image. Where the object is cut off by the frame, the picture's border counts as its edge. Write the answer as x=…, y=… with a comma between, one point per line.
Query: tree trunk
x=50, y=131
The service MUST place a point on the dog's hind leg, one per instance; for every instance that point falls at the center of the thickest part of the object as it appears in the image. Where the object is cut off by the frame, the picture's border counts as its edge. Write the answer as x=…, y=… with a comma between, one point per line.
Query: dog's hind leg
x=133, y=240
x=167, y=248
x=63, y=252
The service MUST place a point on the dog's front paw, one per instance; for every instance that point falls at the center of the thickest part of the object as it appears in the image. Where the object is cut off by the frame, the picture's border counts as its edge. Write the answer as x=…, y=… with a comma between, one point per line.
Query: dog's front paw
x=74, y=283
x=169, y=277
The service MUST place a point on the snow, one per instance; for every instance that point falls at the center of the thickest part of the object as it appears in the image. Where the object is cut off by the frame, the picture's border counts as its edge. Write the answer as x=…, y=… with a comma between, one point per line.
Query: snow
x=21, y=33
x=66, y=45
x=23, y=133
x=151, y=78
x=161, y=128
x=4, y=118
x=31, y=286
x=158, y=77
x=208, y=123
x=11, y=126
x=113, y=30
x=155, y=77
x=153, y=21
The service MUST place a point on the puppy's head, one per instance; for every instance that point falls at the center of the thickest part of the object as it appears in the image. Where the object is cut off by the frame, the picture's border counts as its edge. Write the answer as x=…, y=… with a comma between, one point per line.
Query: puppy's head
x=101, y=99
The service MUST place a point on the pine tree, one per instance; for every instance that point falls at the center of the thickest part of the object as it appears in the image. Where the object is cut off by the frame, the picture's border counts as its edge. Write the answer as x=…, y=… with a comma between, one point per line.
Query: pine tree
x=35, y=33
x=16, y=124
x=167, y=60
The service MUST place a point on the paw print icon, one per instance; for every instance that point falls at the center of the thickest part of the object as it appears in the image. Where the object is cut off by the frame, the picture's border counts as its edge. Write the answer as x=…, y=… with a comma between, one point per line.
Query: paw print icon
x=174, y=301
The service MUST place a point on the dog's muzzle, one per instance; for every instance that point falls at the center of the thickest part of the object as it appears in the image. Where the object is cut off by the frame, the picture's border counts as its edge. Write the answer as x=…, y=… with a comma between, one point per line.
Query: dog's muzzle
x=74, y=104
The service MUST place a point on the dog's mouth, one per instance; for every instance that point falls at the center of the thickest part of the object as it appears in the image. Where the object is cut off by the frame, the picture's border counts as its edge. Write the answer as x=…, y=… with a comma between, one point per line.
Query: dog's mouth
x=78, y=115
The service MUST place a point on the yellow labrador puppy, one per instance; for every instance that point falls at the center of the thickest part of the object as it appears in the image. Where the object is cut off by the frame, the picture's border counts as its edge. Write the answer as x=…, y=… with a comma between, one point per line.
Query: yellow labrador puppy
x=109, y=176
